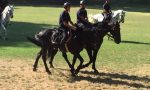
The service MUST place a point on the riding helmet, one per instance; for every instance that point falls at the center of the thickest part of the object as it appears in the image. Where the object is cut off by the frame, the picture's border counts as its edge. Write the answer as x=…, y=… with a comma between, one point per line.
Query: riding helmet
x=82, y=2
x=66, y=4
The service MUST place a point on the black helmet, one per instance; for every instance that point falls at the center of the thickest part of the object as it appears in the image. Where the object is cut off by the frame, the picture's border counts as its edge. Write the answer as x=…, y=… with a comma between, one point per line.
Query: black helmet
x=82, y=2
x=66, y=4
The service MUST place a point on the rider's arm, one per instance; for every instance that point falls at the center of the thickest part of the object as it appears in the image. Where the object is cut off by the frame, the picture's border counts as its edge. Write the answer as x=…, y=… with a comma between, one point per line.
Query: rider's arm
x=69, y=26
x=82, y=17
x=72, y=24
x=70, y=21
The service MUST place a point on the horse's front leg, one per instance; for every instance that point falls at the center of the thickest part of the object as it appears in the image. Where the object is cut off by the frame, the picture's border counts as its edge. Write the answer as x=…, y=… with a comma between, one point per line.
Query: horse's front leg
x=74, y=60
x=94, y=60
x=66, y=59
x=5, y=31
x=89, y=51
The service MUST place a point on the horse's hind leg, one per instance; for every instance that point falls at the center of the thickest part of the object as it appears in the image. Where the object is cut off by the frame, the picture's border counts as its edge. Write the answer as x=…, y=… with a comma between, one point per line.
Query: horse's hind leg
x=37, y=60
x=52, y=53
x=44, y=52
x=80, y=66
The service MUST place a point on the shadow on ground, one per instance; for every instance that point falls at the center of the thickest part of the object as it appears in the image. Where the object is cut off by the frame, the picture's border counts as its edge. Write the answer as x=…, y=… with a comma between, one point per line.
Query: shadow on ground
x=111, y=78
x=115, y=79
x=134, y=42
x=18, y=31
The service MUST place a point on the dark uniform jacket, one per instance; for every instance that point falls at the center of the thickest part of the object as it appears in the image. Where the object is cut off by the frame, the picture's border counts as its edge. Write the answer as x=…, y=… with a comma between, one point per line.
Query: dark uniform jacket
x=81, y=12
x=64, y=16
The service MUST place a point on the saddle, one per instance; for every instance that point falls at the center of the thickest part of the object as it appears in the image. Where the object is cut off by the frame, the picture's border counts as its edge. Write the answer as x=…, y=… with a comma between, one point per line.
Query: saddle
x=60, y=36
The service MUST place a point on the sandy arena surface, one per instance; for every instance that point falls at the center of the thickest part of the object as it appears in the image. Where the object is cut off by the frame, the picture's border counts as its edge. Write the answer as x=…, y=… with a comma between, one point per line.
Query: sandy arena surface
x=18, y=75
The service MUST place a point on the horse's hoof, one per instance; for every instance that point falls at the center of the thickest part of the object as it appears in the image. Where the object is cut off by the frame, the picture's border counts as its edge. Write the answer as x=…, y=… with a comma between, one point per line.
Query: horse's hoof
x=49, y=73
x=73, y=75
x=83, y=66
x=34, y=69
x=96, y=72
x=51, y=66
x=76, y=72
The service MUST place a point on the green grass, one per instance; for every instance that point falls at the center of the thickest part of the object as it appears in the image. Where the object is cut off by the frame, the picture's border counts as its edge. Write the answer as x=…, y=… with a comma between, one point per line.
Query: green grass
x=132, y=52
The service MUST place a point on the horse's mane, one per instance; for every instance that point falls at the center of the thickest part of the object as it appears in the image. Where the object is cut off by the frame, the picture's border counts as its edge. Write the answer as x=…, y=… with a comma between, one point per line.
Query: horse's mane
x=6, y=9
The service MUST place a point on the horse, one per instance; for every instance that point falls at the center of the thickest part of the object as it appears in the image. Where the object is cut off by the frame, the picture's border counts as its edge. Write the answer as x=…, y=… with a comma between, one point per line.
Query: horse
x=75, y=46
x=5, y=19
x=99, y=35
x=117, y=16
x=91, y=47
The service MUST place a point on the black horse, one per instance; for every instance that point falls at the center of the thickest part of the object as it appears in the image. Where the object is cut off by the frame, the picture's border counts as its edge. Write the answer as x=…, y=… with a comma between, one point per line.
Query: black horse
x=99, y=35
x=75, y=46
x=43, y=39
x=89, y=40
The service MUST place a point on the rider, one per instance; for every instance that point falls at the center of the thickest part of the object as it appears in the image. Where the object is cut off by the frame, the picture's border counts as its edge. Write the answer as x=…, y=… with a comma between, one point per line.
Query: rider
x=65, y=23
x=107, y=12
x=82, y=18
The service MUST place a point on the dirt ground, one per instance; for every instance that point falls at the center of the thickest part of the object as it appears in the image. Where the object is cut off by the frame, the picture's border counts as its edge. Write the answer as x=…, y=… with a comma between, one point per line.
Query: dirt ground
x=18, y=75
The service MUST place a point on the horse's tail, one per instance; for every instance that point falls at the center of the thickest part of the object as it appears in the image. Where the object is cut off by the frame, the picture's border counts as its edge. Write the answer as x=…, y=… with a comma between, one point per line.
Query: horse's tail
x=35, y=41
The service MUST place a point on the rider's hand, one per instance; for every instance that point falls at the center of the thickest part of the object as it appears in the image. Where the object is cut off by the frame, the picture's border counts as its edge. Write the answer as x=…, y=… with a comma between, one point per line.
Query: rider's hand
x=73, y=28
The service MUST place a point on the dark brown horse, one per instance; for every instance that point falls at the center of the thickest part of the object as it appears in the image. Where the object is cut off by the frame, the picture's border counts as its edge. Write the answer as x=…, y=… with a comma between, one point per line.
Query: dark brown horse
x=90, y=40
x=75, y=46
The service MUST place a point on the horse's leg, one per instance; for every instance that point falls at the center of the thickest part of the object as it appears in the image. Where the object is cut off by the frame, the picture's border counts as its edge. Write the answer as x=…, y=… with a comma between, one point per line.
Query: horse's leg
x=1, y=31
x=66, y=59
x=94, y=60
x=80, y=66
x=52, y=54
x=5, y=31
x=44, y=52
x=74, y=60
x=36, y=60
x=89, y=51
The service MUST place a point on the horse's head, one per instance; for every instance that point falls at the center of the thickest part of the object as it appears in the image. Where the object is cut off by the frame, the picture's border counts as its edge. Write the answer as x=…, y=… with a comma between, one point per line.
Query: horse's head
x=10, y=10
x=121, y=16
x=115, y=32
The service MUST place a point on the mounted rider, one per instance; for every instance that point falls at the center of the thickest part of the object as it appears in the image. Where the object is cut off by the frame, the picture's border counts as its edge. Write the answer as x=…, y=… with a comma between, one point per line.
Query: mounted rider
x=65, y=24
x=3, y=4
x=82, y=18
x=107, y=12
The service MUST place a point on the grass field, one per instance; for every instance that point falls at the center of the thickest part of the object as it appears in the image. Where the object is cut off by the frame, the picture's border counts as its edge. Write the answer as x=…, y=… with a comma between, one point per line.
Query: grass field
x=124, y=66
